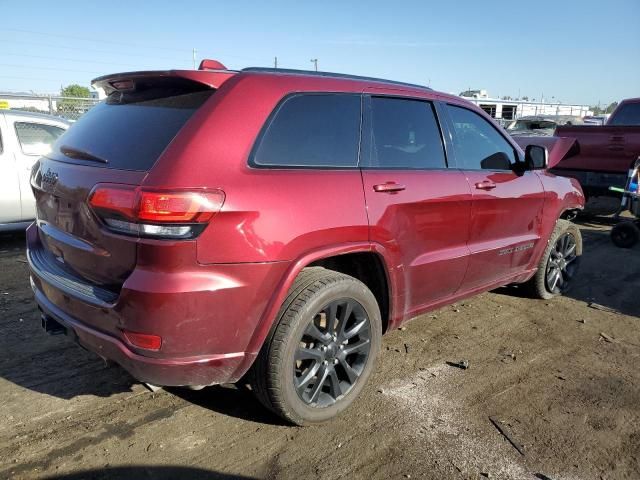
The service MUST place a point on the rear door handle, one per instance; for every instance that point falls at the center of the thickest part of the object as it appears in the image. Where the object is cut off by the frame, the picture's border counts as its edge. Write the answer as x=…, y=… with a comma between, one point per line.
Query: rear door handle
x=485, y=185
x=388, y=187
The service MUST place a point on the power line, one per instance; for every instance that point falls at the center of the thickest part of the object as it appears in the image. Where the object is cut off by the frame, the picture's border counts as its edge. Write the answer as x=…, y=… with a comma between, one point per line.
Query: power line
x=27, y=78
x=71, y=59
x=94, y=50
x=36, y=67
x=101, y=40
x=128, y=44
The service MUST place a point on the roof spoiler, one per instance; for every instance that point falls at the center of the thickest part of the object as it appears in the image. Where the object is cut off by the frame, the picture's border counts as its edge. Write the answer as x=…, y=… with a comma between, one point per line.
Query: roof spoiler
x=210, y=73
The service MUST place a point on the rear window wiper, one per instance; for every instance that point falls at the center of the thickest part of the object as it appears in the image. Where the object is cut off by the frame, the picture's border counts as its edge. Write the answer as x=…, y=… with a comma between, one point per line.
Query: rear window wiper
x=78, y=154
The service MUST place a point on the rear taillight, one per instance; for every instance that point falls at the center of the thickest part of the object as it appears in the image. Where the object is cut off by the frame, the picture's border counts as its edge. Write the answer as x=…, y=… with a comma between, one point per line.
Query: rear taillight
x=155, y=213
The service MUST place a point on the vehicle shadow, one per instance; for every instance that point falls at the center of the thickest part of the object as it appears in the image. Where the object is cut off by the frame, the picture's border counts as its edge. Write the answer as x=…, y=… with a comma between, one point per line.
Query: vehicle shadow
x=54, y=366
x=230, y=400
x=57, y=366
x=148, y=472
x=609, y=276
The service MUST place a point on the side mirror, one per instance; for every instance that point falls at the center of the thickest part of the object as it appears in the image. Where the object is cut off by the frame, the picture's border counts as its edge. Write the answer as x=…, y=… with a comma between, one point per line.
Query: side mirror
x=536, y=157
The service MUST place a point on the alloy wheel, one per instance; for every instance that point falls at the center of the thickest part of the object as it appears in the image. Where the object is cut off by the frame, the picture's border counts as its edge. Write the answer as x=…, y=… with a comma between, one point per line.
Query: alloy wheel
x=332, y=353
x=562, y=264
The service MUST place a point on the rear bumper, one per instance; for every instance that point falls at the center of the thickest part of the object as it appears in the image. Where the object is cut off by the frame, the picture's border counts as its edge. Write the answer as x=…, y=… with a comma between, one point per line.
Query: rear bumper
x=206, y=315
x=201, y=370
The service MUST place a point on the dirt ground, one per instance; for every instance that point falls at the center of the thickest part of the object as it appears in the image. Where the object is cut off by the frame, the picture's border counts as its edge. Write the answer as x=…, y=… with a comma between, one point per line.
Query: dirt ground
x=560, y=377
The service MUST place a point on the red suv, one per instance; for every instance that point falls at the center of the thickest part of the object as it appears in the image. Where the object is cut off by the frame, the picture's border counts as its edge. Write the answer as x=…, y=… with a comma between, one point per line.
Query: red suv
x=203, y=227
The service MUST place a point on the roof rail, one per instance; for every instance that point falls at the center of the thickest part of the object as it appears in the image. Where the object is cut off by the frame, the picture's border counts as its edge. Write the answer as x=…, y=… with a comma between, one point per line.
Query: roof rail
x=345, y=76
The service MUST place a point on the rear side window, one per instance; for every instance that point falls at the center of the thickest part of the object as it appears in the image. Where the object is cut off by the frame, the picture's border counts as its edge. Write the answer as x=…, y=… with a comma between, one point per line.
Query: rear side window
x=312, y=130
x=477, y=144
x=129, y=131
x=36, y=138
x=404, y=134
x=628, y=114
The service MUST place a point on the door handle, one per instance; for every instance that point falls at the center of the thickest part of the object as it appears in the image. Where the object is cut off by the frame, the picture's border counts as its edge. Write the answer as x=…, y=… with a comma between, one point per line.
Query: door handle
x=389, y=187
x=485, y=185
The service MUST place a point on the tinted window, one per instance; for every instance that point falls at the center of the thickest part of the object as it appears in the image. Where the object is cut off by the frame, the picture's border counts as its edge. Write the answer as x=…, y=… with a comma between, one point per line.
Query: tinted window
x=628, y=114
x=36, y=138
x=404, y=134
x=477, y=144
x=129, y=131
x=312, y=131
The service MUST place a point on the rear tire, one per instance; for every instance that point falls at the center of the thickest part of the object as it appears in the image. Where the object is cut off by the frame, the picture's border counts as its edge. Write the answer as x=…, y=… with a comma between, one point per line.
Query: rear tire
x=559, y=263
x=625, y=234
x=322, y=350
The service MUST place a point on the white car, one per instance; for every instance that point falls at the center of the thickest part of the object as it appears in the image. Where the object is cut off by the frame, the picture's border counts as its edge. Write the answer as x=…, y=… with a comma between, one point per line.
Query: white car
x=24, y=137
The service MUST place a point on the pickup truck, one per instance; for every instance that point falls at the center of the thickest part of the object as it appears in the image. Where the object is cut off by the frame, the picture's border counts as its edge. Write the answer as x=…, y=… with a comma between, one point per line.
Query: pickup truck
x=605, y=153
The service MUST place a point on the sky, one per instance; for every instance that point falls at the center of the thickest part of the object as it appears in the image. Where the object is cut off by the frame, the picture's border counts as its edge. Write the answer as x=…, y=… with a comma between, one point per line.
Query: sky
x=585, y=52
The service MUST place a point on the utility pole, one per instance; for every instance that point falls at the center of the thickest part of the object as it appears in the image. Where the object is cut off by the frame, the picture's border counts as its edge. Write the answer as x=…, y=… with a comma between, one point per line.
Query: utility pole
x=315, y=63
x=194, y=58
x=275, y=62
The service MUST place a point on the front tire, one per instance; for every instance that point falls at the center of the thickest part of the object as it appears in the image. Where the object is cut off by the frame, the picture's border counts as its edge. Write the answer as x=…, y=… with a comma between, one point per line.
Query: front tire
x=322, y=350
x=559, y=263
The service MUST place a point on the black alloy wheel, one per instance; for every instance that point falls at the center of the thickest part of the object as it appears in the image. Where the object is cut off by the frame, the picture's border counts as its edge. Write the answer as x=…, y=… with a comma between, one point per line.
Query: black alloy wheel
x=332, y=353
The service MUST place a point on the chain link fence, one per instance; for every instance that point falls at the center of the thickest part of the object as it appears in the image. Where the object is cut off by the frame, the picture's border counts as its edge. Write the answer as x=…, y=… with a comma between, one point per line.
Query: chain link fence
x=69, y=108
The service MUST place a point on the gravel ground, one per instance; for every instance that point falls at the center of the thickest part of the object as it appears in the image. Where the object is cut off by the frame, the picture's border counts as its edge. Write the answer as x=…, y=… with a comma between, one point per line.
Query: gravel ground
x=560, y=378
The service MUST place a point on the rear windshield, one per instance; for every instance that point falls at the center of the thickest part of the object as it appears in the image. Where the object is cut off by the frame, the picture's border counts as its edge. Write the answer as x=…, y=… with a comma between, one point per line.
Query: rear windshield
x=128, y=131
x=628, y=114
x=532, y=125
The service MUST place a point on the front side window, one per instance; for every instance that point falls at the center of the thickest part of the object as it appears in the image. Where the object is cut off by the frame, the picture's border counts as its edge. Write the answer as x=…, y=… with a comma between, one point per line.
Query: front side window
x=477, y=144
x=36, y=138
x=404, y=134
x=312, y=130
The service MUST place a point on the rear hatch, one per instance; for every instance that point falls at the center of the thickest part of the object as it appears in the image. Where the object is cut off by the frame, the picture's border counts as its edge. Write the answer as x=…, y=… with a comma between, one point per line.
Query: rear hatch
x=117, y=142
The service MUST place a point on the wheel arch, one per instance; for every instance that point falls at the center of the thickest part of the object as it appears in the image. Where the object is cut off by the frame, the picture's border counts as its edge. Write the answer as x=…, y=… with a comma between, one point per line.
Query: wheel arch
x=342, y=258
x=370, y=269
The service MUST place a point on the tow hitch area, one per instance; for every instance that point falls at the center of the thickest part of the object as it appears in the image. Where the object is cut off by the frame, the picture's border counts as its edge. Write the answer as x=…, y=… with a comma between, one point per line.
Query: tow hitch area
x=52, y=327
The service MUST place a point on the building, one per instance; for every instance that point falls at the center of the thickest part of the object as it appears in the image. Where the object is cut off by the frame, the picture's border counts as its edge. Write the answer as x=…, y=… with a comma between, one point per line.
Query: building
x=510, y=109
